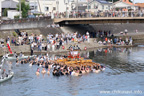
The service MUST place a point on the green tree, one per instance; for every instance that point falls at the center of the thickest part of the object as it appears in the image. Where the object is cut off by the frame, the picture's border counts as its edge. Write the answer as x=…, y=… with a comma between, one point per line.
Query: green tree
x=5, y=11
x=24, y=8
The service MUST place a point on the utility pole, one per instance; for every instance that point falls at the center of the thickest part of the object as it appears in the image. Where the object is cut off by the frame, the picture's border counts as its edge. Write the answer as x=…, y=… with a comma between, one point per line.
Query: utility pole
x=57, y=2
x=39, y=6
x=112, y=8
x=20, y=9
x=77, y=6
x=132, y=9
x=88, y=8
x=35, y=6
x=66, y=11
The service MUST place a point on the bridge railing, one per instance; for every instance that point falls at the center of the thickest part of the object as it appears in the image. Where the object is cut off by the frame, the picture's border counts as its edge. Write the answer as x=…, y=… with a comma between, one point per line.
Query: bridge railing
x=99, y=14
x=24, y=20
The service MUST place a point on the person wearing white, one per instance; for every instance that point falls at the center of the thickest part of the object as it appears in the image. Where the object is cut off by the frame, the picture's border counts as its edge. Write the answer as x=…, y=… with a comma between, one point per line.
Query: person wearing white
x=87, y=33
x=53, y=47
x=7, y=55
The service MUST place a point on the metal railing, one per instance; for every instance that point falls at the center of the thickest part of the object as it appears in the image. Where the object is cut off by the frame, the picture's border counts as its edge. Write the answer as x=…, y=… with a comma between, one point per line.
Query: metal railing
x=100, y=14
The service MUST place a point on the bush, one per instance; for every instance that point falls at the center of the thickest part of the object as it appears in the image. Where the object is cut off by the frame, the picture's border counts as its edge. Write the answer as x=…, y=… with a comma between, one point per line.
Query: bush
x=14, y=34
x=38, y=14
x=16, y=17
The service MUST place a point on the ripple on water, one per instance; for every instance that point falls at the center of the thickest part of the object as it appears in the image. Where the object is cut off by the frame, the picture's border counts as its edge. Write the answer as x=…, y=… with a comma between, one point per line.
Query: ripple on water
x=124, y=71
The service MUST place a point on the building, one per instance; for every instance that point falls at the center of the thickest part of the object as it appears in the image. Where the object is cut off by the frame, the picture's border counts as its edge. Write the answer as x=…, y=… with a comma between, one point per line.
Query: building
x=99, y=5
x=140, y=6
x=49, y=6
x=8, y=4
x=124, y=5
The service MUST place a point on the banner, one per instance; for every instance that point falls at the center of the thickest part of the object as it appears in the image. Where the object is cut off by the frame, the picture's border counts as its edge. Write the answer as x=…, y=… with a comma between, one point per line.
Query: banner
x=9, y=48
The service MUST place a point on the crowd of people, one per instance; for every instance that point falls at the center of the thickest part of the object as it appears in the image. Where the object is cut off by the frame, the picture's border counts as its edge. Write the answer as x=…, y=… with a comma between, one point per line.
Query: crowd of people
x=56, y=41
x=79, y=14
x=106, y=38
x=53, y=42
x=49, y=65
x=99, y=13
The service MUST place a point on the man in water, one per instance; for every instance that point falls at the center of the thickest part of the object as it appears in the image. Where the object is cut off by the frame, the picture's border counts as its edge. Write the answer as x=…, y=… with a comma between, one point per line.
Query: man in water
x=9, y=67
x=20, y=54
x=4, y=74
x=15, y=54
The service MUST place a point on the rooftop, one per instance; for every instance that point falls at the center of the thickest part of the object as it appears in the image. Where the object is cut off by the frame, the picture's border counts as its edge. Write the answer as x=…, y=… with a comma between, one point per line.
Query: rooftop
x=102, y=1
x=9, y=4
x=140, y=5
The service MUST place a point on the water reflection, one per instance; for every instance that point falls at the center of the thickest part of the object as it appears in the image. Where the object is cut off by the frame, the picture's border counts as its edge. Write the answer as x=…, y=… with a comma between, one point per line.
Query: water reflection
x=124, y=71
x=121, y=59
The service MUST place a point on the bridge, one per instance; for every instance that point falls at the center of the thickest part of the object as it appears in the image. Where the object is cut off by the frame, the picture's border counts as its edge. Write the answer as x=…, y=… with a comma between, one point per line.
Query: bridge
x=98, y=20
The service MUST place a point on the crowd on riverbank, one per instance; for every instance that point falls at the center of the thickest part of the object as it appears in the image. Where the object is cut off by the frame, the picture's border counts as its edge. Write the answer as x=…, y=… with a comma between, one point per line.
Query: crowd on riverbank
x=53, y=42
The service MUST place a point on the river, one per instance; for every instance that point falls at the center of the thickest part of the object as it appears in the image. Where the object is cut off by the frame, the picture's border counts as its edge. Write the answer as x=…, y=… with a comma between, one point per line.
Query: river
x=123, y=76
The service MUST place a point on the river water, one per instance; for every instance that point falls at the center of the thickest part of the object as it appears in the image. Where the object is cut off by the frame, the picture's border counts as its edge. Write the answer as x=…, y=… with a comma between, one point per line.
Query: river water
x=124, y=76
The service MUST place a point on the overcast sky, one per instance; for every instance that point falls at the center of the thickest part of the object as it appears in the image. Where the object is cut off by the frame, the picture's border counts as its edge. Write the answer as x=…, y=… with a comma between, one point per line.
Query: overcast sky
x=138, y=1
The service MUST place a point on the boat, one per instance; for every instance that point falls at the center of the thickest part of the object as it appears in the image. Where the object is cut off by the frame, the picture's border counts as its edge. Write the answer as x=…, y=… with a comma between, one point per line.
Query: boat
x=22, y=57
x=7, y=78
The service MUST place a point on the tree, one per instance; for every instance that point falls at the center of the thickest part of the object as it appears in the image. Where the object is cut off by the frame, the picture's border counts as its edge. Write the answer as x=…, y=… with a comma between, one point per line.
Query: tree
x=24, y=8
x=5, y=11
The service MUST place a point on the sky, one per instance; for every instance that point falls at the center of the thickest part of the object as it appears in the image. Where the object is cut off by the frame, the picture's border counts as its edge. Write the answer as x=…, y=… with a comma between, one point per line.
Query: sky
x=138, y=1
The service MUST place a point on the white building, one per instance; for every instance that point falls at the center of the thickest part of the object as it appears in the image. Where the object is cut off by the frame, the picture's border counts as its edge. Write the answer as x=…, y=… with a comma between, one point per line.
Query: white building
x=12, y=13
x=49, y=6
x=101, y=5
x=124, y=5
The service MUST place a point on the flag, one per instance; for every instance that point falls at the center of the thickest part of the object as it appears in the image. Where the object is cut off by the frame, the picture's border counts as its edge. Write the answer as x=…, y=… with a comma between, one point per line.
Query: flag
x=9, y=48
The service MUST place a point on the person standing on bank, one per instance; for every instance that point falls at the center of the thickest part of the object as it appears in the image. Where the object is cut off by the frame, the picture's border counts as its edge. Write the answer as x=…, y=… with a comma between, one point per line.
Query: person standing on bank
x=31, y=51
x=32, y=48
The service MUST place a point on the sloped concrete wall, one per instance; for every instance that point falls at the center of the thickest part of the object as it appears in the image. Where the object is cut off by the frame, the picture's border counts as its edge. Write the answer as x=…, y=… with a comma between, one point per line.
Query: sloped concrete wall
x=26, y=25
x=18, y=49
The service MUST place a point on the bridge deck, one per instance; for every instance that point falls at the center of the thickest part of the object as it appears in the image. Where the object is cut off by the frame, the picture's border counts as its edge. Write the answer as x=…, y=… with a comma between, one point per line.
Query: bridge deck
x=99, y=20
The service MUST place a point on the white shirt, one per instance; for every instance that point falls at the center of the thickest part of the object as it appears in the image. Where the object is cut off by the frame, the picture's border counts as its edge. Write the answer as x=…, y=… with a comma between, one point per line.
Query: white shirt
x=73, y=73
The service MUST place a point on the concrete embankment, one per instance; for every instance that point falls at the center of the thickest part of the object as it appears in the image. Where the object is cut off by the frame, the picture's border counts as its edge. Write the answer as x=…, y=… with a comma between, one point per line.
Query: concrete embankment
x=83, y=46
x=18, y=49
x=26, y=25
x=137, y=37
